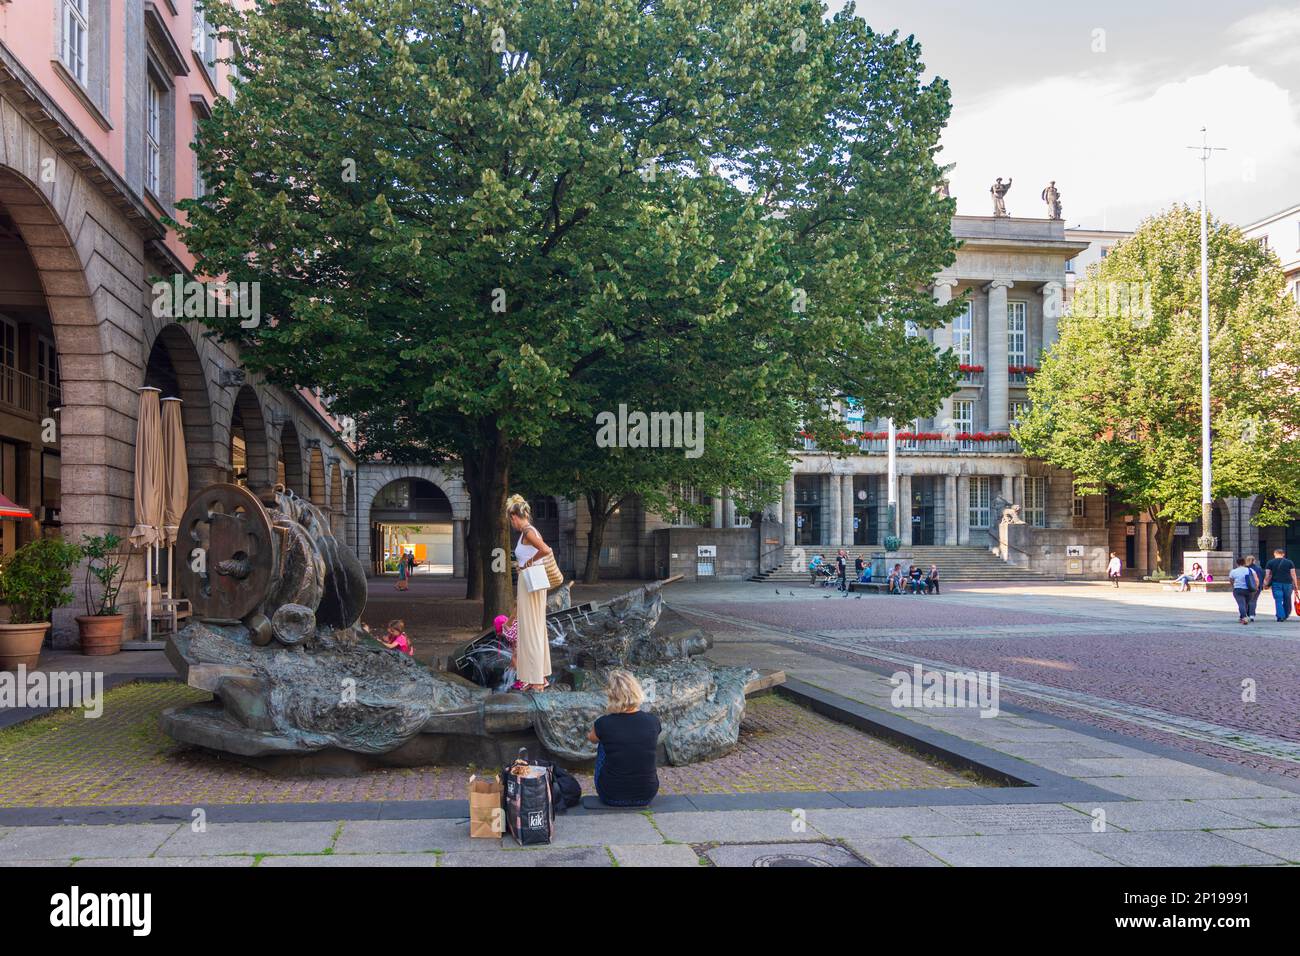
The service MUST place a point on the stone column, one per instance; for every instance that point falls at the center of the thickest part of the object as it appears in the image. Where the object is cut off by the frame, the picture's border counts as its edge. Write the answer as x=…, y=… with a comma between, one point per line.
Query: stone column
x=963, y=509
x=1141, y=554
x=950, y=499
x=846, y=510
x=943, y=287
x=457, y=547
x=1053, y=297
x=905, y=509
x=834, y=526
x=1018, y=490
x=1007, y=491
x=998, y=386
x=728, y=509
x=716, y=521
x=787, y=512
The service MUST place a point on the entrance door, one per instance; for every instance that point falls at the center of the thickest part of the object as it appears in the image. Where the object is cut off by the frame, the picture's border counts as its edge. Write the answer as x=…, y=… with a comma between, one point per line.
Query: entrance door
x=808, y=525
x=923, y=511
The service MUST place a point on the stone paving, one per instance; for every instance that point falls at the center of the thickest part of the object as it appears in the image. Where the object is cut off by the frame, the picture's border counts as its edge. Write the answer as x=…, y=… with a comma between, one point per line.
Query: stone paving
x=1157, y=805
x=1166, y=667
x=123, y=758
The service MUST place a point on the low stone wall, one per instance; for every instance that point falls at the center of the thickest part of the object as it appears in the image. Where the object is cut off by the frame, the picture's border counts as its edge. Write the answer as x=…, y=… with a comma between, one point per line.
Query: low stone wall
x=1060, y=552
x=735, y=552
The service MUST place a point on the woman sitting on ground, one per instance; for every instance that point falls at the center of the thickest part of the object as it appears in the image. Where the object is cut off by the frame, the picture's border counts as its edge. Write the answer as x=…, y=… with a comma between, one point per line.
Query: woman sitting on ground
x=625, y=739
x=1185, y=580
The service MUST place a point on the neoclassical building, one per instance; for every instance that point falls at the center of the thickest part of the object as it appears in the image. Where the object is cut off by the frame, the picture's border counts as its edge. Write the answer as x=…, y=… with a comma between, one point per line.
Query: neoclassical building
x=98, y=103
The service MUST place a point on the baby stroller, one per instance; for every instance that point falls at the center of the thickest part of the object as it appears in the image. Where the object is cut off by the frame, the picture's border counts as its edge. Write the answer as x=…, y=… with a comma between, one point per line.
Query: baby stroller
x=827, y=575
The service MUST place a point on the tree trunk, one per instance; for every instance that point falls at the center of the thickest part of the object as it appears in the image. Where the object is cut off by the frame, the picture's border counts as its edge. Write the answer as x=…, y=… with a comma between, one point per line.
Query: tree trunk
x=1164, y=546
x=473, y=566
x=492, y=473
x=598, y=507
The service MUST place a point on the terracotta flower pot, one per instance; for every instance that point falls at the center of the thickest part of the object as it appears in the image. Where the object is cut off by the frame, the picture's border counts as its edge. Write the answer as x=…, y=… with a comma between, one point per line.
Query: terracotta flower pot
x=100, y=634
x=21, y=644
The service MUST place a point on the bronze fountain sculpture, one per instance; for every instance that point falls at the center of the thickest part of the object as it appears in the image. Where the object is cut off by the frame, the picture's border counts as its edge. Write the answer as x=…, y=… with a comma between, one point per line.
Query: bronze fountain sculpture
x=299, y=687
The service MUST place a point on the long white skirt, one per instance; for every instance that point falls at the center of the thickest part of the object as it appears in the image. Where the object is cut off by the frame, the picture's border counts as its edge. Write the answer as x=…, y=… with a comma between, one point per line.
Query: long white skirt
x=533, y=657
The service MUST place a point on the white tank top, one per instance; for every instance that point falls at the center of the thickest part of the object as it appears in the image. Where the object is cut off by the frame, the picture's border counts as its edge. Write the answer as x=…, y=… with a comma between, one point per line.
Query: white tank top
x=524, y=552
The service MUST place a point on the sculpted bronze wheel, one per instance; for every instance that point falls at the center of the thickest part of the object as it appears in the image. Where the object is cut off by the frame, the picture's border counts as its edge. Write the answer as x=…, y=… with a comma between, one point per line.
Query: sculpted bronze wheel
x=226, y=556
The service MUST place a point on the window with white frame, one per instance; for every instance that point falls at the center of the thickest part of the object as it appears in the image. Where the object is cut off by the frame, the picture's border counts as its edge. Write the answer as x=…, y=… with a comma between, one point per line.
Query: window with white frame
x=963, y=415
x=204, y=39
x=962, y=339
x=75, y=19
x=1018, y=409
x=981, y=502
x=1036, y=501
x=1017, y=333
x=153, y=138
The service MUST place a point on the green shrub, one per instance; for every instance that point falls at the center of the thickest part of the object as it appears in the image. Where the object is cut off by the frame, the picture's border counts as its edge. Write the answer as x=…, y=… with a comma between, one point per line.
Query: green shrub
x=34, y=579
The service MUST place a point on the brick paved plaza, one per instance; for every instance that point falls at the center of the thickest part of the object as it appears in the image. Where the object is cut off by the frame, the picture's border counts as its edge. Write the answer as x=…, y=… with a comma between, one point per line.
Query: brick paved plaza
x=1122, y=710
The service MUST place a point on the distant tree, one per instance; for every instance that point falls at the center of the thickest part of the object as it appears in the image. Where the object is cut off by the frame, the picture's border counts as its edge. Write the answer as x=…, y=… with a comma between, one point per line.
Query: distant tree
x=1118, y=399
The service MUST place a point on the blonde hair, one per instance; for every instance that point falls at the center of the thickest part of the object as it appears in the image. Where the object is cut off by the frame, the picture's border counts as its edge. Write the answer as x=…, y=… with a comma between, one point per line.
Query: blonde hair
x=623, y=690
x=518, y=505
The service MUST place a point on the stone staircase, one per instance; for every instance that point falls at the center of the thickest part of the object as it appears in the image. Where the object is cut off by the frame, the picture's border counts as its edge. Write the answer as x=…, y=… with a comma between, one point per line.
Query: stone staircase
x=956, y=563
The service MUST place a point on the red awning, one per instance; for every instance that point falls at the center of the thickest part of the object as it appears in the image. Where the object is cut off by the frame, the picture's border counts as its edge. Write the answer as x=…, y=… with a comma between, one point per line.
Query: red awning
x=10, y=510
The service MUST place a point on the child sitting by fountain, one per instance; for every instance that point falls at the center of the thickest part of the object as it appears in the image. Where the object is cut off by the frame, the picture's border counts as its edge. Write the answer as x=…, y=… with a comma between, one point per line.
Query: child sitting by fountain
x=396, y=639
x=508, y=631
x=625, y=739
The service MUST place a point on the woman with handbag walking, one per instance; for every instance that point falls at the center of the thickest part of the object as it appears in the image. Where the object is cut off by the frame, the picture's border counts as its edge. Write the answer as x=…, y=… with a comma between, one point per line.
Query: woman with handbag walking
x=533, y=652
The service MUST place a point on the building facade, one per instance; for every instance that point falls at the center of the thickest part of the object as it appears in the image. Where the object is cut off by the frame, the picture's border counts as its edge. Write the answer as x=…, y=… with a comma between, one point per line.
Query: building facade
x=99, y=102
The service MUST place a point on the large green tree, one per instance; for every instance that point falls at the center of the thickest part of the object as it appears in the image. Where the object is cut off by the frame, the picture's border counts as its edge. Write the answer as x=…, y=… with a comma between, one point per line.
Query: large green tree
x=1118, y=399
x=477, y=213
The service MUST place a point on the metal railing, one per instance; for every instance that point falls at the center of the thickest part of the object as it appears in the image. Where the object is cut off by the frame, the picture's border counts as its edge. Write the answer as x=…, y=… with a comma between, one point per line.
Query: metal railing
x=26, y=392
x=932, y=446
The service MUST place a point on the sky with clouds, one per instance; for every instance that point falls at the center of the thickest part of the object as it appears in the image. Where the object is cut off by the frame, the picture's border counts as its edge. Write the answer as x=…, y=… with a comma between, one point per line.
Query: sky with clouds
x=1104, y=97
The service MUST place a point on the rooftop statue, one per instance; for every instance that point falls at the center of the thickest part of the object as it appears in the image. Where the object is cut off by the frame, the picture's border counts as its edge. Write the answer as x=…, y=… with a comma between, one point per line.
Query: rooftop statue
x=999, y=191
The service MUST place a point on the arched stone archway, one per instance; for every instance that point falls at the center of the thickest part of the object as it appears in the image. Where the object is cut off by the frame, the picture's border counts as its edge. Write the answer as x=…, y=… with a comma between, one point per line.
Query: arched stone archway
x=174, y=366
x=97, y=404
x=249, y=441
x=289, y=470
x=373, y=477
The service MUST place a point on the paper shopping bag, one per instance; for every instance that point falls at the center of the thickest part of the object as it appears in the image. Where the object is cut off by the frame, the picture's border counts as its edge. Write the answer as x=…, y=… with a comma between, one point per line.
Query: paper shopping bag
x=486, y=817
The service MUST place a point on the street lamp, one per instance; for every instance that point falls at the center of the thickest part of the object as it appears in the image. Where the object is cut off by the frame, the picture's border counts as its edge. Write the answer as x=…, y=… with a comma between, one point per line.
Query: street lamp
x=1206, y=542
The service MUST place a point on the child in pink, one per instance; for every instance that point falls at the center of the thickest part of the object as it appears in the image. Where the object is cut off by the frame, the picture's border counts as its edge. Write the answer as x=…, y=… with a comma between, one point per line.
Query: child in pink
x=397, y=639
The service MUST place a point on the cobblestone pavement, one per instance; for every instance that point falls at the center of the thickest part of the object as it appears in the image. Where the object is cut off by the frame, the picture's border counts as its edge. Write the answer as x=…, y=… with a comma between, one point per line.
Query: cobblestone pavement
x=123, y=758
x=1174, y=669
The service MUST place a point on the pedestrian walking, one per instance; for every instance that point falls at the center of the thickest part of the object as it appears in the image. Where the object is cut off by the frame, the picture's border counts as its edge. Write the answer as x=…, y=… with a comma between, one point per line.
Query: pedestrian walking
x=842, y=568
x=533, y=651
x=1257, y=574
x=403, y=571
x=1280, y=577
x=1113, y=569
x=1243, y=582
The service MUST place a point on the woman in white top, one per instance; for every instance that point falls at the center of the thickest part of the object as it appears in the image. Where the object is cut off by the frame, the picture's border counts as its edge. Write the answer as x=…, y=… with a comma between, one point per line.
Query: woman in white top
x=532, y=652
x=1113, y=568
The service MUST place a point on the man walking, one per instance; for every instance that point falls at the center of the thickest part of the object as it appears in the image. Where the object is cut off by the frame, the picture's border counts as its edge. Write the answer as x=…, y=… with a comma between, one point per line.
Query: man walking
x=1280, y=574
x=842, y=566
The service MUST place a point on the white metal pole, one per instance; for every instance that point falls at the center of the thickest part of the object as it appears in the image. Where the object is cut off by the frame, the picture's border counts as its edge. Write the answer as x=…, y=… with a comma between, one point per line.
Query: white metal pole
x=1206, y=501
x=893, y=476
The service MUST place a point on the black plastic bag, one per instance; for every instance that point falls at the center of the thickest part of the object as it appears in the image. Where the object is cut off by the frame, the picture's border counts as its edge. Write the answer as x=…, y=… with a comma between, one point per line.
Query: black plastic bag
x=528, y=801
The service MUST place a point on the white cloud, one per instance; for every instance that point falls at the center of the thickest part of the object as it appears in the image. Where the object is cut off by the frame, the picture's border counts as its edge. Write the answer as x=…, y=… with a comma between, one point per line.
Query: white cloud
x=1116, y=147
x=1271, y=36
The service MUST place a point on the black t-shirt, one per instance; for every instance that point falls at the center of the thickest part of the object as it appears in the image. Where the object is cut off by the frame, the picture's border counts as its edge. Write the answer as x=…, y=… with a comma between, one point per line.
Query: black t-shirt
x=1281, y=568
x=629, y=740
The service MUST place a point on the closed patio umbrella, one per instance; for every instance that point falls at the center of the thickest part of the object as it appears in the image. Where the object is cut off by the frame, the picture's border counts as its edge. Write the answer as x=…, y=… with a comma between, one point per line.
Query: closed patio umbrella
x=176, y=481
x=150, y=482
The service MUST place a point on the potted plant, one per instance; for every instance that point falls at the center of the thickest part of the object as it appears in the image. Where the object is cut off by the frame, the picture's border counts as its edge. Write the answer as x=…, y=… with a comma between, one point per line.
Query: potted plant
x=101, y=625
x=33, y=582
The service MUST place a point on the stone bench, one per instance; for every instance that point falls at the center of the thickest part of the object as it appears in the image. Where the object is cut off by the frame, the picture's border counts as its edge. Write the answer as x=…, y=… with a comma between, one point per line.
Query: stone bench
x=877, y=586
